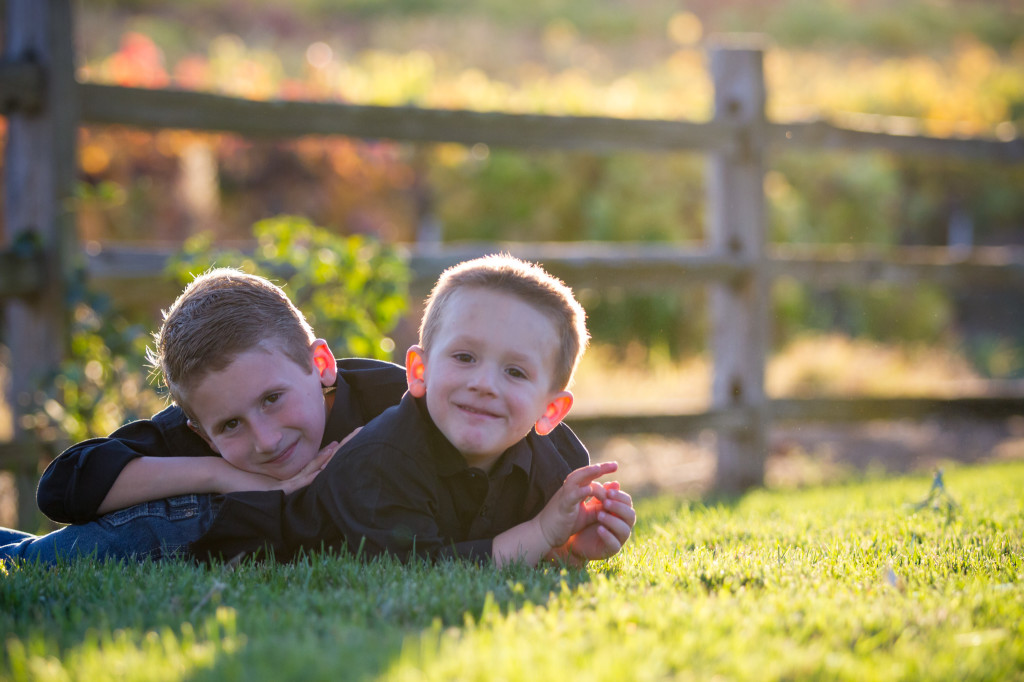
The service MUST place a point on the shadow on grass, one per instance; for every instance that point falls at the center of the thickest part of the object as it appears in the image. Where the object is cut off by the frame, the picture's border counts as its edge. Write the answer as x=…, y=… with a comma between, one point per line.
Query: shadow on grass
x=319, y=617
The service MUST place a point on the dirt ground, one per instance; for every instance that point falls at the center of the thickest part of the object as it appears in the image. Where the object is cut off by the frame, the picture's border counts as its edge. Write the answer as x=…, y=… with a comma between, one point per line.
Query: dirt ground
x=814, y=454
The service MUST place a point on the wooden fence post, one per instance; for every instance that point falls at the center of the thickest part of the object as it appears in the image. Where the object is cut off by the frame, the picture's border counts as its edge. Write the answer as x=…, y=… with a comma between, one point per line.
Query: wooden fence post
x=736, y=228
x=39, y=173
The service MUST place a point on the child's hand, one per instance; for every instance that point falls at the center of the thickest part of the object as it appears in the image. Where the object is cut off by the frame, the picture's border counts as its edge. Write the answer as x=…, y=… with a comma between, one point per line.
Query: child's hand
x=566, y=512
x=236, y=480
x=608, y=523
x=315, y=466
x=311, y=470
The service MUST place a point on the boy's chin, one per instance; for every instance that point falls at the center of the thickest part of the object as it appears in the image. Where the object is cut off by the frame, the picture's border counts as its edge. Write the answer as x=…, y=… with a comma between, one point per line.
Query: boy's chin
x=288, y=469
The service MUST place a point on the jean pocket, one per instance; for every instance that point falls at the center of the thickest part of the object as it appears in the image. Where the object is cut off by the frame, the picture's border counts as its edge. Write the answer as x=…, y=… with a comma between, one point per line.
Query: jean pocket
x=171, y=508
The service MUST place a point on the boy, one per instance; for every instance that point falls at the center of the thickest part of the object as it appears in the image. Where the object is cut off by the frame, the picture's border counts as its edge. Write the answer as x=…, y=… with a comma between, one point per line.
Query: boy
x=218, y=316
x=300, y=391
x=456, y=469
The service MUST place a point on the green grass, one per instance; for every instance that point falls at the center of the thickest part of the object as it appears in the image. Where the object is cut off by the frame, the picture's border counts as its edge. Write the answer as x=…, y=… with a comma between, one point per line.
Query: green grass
x=845, y=582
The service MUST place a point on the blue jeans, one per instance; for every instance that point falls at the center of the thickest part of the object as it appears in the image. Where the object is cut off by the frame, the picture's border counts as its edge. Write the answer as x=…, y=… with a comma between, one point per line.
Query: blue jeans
x=154, y=530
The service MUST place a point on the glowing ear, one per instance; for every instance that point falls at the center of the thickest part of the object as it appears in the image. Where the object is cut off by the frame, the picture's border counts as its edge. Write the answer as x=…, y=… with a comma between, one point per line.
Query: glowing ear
x=415, y=371
x=324, y=362
x=555, y=413
x=198, y=430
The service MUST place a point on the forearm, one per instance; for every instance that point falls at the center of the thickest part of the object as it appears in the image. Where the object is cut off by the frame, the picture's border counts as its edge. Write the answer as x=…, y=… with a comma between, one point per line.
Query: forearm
x=75, y=484
x=523, y=543
x=154, y=478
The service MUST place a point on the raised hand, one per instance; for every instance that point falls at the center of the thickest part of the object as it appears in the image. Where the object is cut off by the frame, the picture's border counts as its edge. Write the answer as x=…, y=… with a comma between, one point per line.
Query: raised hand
x=310, y=471
x=566, y=512
x=315, y=466
x=606, y=525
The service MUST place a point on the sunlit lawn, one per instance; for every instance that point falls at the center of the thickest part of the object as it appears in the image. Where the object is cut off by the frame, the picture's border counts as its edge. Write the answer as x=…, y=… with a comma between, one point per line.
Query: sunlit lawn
x=845, y=582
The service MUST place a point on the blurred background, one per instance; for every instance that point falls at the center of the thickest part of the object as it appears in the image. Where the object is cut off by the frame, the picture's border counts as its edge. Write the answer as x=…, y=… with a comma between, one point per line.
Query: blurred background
x=954, y=66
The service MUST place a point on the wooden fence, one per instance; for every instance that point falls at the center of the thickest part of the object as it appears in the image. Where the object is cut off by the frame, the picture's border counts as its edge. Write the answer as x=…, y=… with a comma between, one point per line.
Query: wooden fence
x=45, y=105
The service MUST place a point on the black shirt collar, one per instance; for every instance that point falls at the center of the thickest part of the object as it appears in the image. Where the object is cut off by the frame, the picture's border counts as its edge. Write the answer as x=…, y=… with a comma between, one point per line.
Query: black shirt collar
x=344, y=416
x=450, y=461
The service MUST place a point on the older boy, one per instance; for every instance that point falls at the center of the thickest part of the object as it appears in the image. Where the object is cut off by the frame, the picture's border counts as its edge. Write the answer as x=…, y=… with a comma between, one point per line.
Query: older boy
x=460, y=467
x=220, y=316
x=291, y=389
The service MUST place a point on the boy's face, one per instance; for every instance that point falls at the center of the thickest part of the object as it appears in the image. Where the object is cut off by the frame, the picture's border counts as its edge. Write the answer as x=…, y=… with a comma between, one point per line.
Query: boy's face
x=488, y=376
x=263, y=412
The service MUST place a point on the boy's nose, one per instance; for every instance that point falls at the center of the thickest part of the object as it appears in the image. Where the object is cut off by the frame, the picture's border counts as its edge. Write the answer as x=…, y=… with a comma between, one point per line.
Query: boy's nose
x=483, y=379
x=265, y=437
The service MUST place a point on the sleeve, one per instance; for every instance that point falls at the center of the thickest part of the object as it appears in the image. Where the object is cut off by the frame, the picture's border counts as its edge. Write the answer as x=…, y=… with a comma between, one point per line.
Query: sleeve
x=354, y=504
x=376, y=504
x=375, y=500
x=569, y=447
x=76, y=482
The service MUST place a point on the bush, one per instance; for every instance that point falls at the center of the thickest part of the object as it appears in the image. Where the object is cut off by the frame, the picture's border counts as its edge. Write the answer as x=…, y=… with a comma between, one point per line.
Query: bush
x=351, y=289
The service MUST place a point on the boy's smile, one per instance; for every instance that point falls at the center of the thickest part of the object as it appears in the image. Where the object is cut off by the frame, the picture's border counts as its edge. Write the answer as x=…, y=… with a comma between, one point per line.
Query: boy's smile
x=262, y=412
x=488, y=375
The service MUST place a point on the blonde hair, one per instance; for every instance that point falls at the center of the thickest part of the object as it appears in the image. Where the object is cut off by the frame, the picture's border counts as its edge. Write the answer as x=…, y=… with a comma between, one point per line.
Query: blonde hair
x=529, y=283
x=221, y=314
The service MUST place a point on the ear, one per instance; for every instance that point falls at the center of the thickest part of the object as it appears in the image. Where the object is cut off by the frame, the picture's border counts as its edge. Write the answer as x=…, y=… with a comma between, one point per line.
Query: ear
x=198, y=430
x=415, y=371
x=324, y=362
x=555, y=413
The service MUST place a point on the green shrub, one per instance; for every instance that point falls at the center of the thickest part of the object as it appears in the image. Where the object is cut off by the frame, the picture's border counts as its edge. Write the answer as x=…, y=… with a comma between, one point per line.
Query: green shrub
x=351, y=289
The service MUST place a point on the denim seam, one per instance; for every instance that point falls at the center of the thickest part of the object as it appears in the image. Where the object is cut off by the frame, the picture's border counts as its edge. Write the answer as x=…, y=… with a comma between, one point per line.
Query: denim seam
x=173, y=509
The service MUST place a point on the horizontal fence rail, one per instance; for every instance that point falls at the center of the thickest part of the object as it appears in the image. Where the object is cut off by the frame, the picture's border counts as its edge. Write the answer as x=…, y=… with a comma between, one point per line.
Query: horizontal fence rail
x=824, y=410
x=203, y=111
x=824, y=135
x=657, y=267
x=21, y=84
x=601, y=265
x=992, y=266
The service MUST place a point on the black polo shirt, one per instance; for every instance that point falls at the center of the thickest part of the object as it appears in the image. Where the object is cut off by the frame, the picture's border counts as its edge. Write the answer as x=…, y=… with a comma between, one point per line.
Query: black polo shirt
x=399, y=487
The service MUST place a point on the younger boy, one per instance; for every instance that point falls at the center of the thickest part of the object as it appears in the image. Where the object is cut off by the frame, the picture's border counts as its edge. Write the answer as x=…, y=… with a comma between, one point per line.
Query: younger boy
x=460, y=467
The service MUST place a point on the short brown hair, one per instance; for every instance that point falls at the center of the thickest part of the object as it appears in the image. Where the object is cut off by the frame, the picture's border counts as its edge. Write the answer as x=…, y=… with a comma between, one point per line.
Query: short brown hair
x=529, y=283
x=221, y=314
